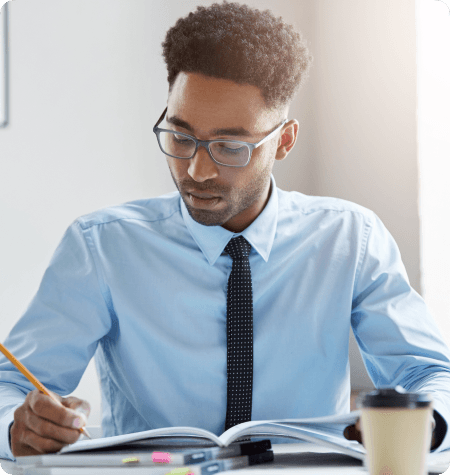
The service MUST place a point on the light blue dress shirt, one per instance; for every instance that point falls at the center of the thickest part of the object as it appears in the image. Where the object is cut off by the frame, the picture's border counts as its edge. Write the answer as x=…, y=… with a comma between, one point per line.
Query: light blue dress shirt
x=143, y=287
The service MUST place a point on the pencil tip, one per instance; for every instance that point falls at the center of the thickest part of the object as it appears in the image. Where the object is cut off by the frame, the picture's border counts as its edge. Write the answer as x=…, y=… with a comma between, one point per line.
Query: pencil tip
x=86, y=433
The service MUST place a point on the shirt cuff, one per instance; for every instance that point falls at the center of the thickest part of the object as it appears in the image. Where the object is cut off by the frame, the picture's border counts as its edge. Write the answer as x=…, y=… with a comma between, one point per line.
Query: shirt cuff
x=442, y=434
x=5, y=423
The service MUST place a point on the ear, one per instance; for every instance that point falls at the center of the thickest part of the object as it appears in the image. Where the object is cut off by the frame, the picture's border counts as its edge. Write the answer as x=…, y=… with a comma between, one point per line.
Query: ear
x=287, y=139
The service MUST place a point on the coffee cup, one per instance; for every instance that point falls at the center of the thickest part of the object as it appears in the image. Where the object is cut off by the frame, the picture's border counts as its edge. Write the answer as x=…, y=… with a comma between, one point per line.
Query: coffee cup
x=396, y=430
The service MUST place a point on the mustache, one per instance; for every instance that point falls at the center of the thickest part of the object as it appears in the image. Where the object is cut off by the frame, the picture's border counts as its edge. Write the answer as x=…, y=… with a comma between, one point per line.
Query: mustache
x=202, y=188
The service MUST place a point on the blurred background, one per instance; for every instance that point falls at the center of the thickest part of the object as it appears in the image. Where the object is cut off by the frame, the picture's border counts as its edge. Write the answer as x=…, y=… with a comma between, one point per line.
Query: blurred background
x=88, y=82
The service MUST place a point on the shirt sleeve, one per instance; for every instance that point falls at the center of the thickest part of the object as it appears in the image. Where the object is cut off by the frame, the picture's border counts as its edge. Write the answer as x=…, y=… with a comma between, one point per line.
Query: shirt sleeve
x=58, y=334
x=399, y=340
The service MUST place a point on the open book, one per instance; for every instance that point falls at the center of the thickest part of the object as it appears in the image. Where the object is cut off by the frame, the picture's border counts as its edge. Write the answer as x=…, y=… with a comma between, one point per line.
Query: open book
x=327, y=431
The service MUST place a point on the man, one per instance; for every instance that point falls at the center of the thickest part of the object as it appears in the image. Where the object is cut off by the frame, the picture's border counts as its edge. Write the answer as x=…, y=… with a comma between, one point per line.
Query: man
x=153, y=289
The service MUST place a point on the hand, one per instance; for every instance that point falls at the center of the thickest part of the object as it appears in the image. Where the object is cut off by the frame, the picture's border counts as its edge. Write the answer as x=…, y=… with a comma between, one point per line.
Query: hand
x=43, y=426
x=353, y=432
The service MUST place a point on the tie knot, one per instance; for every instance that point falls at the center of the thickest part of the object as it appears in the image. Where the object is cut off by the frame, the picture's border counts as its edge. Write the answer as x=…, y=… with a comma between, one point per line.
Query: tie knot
x=238, y=248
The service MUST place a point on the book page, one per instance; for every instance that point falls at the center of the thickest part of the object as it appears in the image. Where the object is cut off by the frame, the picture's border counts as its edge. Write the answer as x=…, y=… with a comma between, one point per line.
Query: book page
x=332, y=424
x=120, y=439
x=222, y=441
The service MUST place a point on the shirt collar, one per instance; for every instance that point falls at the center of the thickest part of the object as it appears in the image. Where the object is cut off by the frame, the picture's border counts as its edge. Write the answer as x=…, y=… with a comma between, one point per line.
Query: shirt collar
x=212, y=240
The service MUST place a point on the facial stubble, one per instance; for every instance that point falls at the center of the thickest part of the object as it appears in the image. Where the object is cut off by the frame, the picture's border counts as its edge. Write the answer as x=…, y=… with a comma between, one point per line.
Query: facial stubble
x=238, y=200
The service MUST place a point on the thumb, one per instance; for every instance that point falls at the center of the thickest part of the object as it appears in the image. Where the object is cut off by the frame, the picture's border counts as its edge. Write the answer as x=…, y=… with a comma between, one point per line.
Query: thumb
x=353, y=432
x=80, y=406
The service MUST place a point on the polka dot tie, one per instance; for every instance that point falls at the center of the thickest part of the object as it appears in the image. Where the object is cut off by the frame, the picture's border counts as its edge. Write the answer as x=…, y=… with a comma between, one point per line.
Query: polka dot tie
x=239, y=334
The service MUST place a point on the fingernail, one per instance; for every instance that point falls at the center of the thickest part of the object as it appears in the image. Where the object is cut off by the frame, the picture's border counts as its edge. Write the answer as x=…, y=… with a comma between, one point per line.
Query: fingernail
x=76, y=423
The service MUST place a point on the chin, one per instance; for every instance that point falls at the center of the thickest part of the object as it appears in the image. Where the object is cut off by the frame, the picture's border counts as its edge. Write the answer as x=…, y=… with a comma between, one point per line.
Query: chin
x=206, y=217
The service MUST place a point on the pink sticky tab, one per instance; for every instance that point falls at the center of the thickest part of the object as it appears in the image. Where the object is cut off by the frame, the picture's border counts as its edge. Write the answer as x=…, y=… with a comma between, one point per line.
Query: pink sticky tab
x=161, y=457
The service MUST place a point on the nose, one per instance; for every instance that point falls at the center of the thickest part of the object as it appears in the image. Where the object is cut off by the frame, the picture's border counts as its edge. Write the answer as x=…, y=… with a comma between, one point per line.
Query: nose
x=202, y=167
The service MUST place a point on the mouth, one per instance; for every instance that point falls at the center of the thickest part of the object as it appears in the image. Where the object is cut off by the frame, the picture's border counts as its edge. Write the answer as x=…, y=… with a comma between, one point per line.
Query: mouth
x=204, y=196
x=200, y=202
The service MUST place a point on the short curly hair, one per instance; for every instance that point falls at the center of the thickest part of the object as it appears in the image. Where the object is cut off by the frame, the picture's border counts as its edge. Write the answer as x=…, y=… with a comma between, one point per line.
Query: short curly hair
x=243, y=44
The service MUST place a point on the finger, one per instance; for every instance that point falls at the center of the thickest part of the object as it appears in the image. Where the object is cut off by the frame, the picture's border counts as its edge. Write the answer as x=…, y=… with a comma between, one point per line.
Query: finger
x=46, y=408
x=41, y=444
x=78, y=405
x=70, y=401
x=352, y=433
x=348, y=432
x=54, y=395
x=49, y=430
x=24, y=450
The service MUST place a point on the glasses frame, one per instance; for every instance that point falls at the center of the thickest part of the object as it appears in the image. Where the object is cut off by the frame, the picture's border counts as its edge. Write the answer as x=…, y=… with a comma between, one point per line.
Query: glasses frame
x=206, y=143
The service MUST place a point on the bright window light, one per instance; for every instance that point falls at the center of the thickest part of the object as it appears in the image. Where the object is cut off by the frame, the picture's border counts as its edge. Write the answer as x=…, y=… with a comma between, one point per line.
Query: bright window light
x=433, y=114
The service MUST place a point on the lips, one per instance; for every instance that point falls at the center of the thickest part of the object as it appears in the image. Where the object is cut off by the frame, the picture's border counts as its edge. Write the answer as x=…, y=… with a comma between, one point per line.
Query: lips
x=204, y=203
x=204, y=196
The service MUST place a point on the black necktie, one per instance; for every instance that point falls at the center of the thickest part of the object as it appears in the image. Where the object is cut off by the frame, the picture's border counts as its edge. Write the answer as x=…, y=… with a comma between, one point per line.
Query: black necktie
x=239, y=334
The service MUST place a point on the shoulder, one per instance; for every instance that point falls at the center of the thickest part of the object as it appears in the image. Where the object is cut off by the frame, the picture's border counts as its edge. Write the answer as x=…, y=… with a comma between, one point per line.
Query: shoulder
x=299, y=203
x=144, y=210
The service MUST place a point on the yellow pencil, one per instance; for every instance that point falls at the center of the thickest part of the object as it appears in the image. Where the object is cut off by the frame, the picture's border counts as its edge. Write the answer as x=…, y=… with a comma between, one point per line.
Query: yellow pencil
x=34, y=380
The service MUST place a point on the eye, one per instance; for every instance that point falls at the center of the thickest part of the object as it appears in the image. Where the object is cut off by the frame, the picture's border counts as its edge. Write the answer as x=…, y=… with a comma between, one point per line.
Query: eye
x=181, y=139
x=230, y=147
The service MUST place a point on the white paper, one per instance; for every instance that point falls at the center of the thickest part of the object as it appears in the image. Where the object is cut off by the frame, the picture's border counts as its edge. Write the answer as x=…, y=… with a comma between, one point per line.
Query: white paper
x=3, y=70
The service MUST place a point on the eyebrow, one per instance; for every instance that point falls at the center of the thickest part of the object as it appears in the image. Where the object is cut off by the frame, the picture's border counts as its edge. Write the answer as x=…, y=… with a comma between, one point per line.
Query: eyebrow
x=239, y=131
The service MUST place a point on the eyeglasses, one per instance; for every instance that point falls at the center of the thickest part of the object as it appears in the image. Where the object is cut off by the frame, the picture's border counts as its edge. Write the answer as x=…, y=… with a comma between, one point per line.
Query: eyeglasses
x=229, y=153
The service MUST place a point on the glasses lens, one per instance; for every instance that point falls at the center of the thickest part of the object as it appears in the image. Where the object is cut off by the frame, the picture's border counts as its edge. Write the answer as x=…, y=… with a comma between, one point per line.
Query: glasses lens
x=230, y=153
x=176, y=144
x=226, y=153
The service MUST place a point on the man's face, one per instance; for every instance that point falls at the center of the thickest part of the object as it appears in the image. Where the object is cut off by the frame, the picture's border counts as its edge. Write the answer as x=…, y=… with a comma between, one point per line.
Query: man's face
x=199, y=104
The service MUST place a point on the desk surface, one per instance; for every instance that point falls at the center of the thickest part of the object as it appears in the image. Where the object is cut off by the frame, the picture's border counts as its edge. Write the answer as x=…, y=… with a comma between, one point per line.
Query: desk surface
x=302, y=458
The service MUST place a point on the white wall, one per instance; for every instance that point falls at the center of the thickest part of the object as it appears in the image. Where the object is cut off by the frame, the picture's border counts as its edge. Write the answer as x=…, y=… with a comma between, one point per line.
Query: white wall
x=363, y=120
x=87, y=86
x=88, y=83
